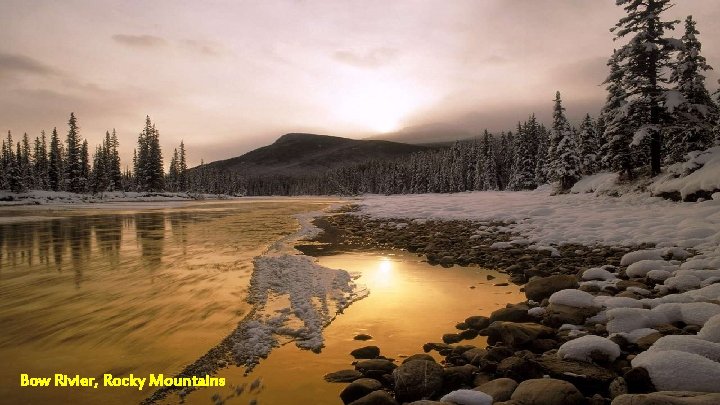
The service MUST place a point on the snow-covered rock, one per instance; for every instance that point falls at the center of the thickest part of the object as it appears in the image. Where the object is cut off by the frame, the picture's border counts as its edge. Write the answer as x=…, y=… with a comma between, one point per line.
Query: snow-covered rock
x=573, y=298
x=467, y=397
x=589, y=347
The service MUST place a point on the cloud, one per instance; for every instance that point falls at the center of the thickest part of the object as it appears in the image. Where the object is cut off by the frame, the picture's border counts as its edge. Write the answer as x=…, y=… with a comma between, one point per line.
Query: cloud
x=207, y=48
x=371, y=59
x=16, y=63
x=139, y=41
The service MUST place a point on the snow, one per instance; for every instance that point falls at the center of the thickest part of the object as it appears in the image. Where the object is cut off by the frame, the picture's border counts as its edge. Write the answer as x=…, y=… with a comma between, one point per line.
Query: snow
x=706, y=174
x=596, y=183
x=467, y=397
x=537, y=311
x=597, y=273
x=638, y=255
x=573, y=298
x=674, y=370
x=711, y=330
x=636, y=335
x=688, y=344
x=642, y=267
x=584, y=347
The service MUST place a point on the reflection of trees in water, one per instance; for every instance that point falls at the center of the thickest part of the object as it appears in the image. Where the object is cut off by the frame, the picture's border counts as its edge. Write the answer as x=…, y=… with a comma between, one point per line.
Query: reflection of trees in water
x=179, y=222
x=108, y=236
x=150, y=231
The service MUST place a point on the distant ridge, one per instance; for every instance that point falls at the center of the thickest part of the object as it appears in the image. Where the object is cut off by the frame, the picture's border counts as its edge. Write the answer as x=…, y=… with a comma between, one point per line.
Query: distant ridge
x=300, y=153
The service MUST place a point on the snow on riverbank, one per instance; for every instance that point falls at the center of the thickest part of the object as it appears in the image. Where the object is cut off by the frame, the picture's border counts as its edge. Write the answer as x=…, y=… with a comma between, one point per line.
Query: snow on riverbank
x=40, y=197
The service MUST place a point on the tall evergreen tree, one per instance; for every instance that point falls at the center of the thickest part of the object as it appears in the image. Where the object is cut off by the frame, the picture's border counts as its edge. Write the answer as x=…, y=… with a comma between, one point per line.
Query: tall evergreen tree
x=84, y=166
x=41, y=164
x=182, y=168
x=523, y=176
x=55, y=163
x=692, y=127
x=565, y=164
x=149, y=172
x=644, y=60
x=113, y=165
x=75, y=181
x=588, y=146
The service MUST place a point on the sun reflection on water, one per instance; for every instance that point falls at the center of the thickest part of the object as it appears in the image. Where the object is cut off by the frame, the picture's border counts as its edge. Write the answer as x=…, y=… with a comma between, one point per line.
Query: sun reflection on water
x=384, y=272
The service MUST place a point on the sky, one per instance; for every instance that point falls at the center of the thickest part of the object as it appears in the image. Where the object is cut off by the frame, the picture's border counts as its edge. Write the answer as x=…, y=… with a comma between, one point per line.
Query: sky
x=229, y=76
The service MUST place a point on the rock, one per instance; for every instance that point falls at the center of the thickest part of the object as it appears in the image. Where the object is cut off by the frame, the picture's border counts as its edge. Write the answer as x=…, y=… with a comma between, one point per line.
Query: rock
x=588, y=377
x=358, y=389
x=516, y=334
x=490, y=277
x=645, y=342
x=426, y=402
x=618, y=387
x=367, y=352
x=515, y=313
x=547, y=391
x=442, y=348
x=458, y=376
x=505, y=284
x=417, y=379
x=362, y=336
x=500, y=389
x=343, y=376
x=519, y=368
x=450, y=338
x=669, y=398
x=375, y=368
x=376, y=398
x=477, y=322
x=462, y=326
x=468, y=334
x=638, y=381
x=557, y=315
x=539, y=288
x=497, y=353
x=474, y=356
x=421, y=356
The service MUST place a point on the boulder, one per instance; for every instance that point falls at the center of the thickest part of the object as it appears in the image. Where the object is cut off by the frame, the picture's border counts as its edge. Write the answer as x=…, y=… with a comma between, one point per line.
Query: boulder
x=515, y=313
x=375, y=368
x=358, y=389
x=519, y=367
x=417, y=379
x=343, y=376
x=500, y=389
x=588, y=377
x=547, y=391
x=451, y=338
x=669, y=398
x=366, y=352
x=376, y=398
x=421, y=356
x=477, y=322
x=474, y=356
x=558, y=314
x=538, y=289
x=459, y=376
x=516, y=334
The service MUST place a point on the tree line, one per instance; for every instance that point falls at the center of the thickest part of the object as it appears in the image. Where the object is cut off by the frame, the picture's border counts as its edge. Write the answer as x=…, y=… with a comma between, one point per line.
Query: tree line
x=67, y=165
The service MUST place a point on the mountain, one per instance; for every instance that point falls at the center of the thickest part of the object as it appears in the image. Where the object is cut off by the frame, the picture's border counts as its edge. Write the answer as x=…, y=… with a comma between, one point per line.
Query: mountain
x=299, y=153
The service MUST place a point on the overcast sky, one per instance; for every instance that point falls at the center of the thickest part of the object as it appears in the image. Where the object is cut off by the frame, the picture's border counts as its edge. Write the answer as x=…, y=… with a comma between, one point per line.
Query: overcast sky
x=229, y=76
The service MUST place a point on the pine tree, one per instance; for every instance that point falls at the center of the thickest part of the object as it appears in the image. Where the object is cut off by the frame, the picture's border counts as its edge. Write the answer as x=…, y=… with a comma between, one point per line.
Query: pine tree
x=618, y=132
x=565, y=163
x=40, y=159
x=55, y=163
x=523, y=174
x=25, y=165
x=113, y=165
x=173, y=173
x=84, y=166
x=489, y=169
x=644, y=61
x=541, y=166
x=692, y=127
x=149, y=172
x=74, y=159
x=182, y=169
x=588, y=146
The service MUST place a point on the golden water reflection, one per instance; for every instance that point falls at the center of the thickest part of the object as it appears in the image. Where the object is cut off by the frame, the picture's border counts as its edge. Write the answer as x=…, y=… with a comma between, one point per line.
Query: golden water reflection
x=410, y=303
x=100, y=291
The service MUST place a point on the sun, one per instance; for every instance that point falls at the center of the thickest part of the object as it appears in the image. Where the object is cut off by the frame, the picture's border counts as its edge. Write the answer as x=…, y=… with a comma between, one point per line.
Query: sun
x=377, y=105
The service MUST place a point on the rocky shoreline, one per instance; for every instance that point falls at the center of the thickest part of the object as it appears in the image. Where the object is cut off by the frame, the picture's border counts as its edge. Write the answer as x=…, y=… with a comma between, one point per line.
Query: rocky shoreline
x=554, y=348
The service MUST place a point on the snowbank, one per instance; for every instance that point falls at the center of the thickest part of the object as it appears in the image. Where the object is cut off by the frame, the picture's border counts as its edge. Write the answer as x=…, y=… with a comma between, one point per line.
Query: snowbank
x=587, y=348
x=700, y=173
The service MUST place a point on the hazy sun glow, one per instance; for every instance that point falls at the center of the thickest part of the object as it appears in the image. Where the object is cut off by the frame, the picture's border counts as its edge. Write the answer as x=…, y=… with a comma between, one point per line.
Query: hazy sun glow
x=384, y=272
x=377, y=105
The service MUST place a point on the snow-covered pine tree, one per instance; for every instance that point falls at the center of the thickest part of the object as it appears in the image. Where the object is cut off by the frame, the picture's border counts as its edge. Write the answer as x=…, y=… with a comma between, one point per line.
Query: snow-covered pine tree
x=523, y=173
x=98, y=177
x=616, y=151
x=173, y=173
x=644, y=60
x=75, y=182
x=155, y=170
x=41, y=164
x=84, y=165
x=182, y=168
x=588, y=146
x=25, y=165
x=113, y=165
x=541, y=156
x=565, y=164
x=489, y=169
x=56, y=167
x=695, y=111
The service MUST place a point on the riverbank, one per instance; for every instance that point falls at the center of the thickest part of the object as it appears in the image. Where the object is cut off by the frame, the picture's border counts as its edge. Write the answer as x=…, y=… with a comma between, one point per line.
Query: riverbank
x=626, y=312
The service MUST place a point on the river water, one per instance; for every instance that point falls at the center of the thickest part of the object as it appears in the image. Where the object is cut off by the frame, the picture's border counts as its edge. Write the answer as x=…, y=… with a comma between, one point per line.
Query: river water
x=121, y=291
